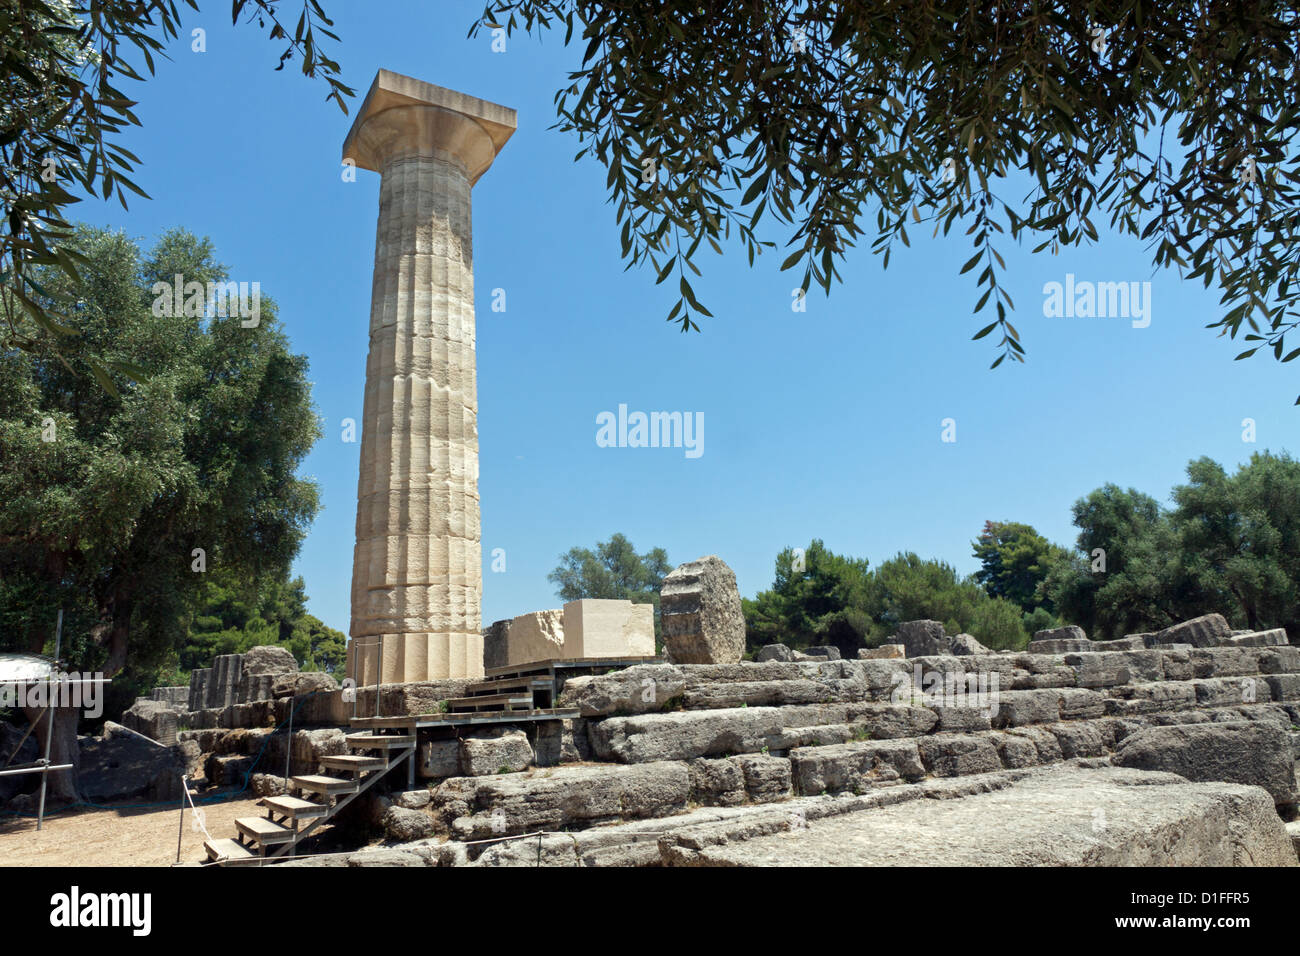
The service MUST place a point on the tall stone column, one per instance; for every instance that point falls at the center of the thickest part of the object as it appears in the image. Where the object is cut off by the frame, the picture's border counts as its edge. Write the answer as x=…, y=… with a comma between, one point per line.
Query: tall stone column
x=416, y=574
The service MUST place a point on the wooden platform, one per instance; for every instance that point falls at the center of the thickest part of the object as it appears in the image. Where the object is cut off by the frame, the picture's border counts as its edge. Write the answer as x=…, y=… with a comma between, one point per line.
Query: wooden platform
x=563, y=664
x=418, y=721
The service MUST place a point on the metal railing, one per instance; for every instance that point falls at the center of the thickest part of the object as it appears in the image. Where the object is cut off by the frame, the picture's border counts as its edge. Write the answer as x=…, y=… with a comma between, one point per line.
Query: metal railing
x=358, y=644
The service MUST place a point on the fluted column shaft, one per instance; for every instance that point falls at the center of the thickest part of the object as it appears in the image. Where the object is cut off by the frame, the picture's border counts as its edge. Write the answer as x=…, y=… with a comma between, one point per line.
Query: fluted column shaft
x=416, y=571
x=416, y=575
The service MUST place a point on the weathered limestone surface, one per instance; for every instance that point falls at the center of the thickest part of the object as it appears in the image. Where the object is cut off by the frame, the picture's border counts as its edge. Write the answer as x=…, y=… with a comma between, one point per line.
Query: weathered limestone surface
x=176, y=698
x=261, y=666
x=496, y=750
x=1258, y=753
x=477, y=808
x=702, y=619
x=1209, y=630
x=222, y=688
x=922, y=638
x=155, y=719
x=416, y=577
x=1065, y=817
x=883, y=652
x=641, y=689
x=537, y=636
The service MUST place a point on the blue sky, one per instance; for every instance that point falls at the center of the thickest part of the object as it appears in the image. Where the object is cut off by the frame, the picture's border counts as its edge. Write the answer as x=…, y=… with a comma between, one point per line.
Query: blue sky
x=825, y=424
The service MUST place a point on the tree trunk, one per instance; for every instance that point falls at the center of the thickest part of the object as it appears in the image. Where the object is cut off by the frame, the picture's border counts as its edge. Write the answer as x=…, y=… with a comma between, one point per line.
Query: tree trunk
x=63, y=748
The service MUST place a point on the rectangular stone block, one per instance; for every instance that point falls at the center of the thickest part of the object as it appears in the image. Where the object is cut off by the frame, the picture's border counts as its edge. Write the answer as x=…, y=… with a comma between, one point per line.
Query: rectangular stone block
x=1272, y=638
x=604, y=628
x=537, y=636
x=198, y=698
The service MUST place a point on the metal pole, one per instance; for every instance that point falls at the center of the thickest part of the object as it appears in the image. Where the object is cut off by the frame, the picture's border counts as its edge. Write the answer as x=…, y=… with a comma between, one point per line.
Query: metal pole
x=180, y=835
x=288, y=743
x=49, y=730
x=379, y=664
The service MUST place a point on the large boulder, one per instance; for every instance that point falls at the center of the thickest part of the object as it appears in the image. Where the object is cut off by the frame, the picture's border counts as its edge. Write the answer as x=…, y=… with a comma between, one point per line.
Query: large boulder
x=260, y=668
x=922, y=638
x=1208, y=630
x=269, y=659
x=774, y=652
x=965, y=645
x=703, y=622
x=123, y=764
x=1251, y=752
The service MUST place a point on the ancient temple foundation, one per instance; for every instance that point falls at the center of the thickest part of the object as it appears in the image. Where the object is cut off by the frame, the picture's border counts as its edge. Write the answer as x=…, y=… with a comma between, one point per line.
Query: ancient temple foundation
x=416, y=573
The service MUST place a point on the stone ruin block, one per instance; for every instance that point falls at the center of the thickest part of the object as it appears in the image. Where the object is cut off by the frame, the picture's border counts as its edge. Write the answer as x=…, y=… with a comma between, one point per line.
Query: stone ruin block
x=496, y=750
x=703, y=622
x=154, y=719
x=259, y=669
x=922, y=638
x=1070, y=639
x=604, y=628
x=883, y=652
x=1271, y=638
x=199, y=680
x=496, y=645
x=1208, y=630
x=177, y=698
x=537, y=636
x=223, y=682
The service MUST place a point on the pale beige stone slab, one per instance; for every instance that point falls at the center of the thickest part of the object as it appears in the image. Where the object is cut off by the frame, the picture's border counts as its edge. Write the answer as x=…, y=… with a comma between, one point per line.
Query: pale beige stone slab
x=595, y=627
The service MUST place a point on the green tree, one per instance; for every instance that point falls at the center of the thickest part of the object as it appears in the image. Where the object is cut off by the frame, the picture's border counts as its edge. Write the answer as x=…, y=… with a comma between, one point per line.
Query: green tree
x=613, y=570
x=232, y=615
x=817, y=597
x=61, y=114
x=1014, y=561
x=118, y=504
x=850, y=119
x=1240, y=540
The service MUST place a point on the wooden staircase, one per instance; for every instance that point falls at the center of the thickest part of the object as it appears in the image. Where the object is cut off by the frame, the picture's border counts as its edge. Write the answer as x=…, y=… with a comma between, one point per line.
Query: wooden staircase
x=508, y=695
x=313, y=799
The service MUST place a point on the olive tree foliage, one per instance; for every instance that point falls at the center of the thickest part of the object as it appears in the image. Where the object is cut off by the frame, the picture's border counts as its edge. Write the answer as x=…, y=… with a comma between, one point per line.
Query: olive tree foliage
x=62, y=110
x=849, y=120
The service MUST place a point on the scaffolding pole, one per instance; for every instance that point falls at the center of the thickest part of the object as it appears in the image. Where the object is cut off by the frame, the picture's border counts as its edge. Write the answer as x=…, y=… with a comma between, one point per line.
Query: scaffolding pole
x=49, y=724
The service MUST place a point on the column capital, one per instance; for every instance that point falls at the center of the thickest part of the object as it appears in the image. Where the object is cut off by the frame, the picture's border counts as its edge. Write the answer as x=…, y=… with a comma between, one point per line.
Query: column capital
x=402, y=117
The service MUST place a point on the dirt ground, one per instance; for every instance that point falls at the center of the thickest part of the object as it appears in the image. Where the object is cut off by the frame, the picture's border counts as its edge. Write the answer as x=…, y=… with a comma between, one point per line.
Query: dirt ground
x=117, y=837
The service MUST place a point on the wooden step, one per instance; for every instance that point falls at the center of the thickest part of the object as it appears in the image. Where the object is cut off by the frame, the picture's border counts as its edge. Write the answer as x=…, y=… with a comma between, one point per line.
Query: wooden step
x=264, y=831
x=380, y=741
x=510, y=685
x=315, y=783
x=491, y=702
x=295, y=808
x=354, y=762
x=226, y=850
